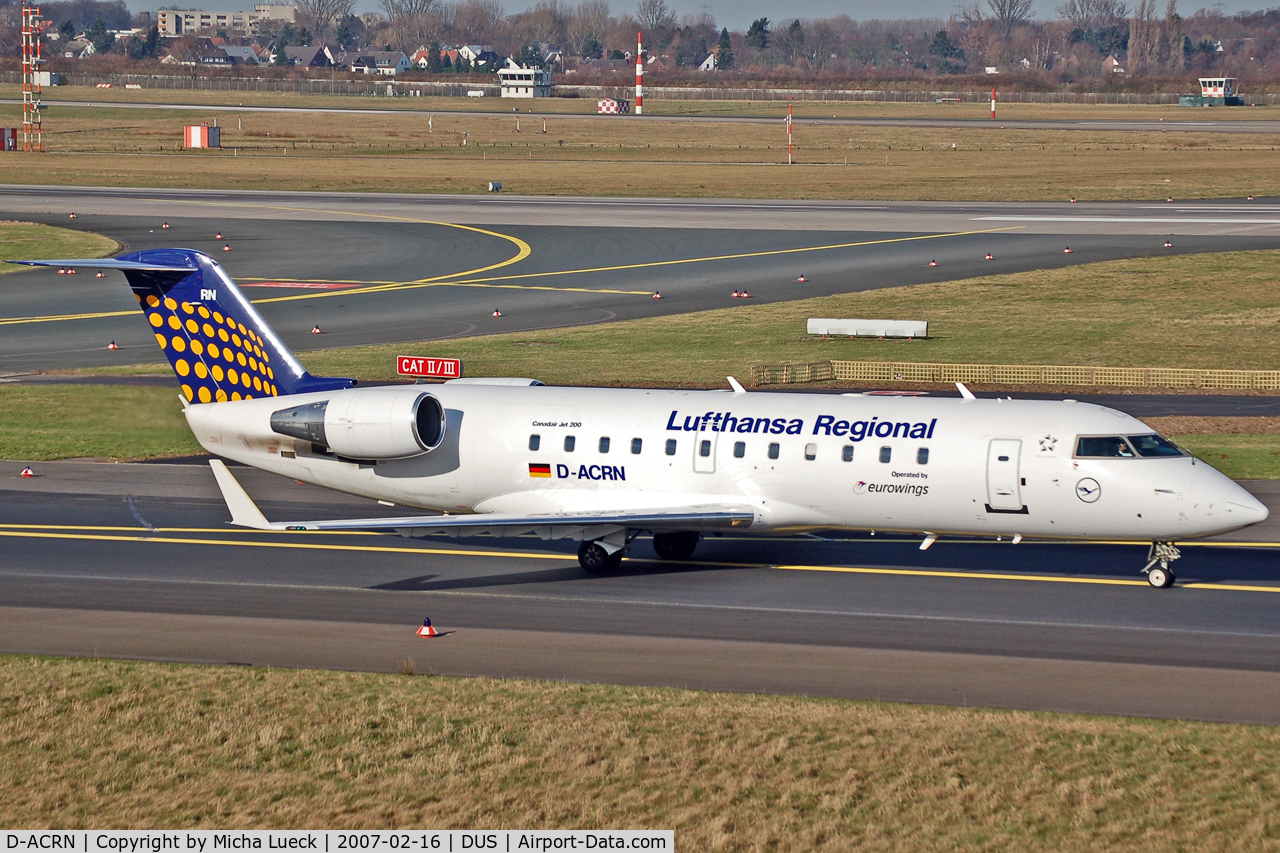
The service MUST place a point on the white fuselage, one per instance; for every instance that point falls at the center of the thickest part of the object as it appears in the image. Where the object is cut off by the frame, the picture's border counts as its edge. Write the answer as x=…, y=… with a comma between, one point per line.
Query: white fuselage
x=992, y=467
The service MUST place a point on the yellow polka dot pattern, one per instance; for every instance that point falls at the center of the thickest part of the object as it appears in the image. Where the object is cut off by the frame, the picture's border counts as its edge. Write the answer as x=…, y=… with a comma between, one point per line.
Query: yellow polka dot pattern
x=205, y=342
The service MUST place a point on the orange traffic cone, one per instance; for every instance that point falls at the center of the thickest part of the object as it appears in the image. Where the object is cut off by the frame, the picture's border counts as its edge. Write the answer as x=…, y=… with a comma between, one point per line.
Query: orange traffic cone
x=218, y=236
x=100, y=274
x=1168, y=245
x=315, y=330
x=735, y=294
x=989, y=258
x=1169, y=199
x=226, y=247
x=745, y=295
x=112, y=345
x=73, y=216
x=1073, y=199
x=61, y=271
x=933, y=263
x=802, y=279
x=70, y=271
x=657, y=295
x=427, y=629
x=1066, y=251
x=1249, y=198
x=27, y=472
x=166, y=225
x=496, y=313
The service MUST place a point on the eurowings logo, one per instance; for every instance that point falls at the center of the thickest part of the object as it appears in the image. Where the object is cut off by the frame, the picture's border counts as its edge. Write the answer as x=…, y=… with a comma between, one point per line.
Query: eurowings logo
x=915, y=489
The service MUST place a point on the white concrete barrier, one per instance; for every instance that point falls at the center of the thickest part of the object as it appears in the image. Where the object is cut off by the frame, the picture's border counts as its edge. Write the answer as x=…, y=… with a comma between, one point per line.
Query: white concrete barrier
x=870, y=328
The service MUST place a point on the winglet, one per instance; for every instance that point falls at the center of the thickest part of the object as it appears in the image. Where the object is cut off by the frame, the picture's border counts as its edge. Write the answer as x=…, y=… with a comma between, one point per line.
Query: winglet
x=965, y=392
x=244, y=512
x=736, y=386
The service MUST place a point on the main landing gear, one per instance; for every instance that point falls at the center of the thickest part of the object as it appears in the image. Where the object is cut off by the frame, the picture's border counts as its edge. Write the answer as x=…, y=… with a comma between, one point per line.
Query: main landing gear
x=595, y=558
x=1161, y=576
x=605, y=555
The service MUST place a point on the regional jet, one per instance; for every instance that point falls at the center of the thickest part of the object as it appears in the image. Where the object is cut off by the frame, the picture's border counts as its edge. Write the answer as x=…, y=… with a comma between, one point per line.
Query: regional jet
x=508, y=456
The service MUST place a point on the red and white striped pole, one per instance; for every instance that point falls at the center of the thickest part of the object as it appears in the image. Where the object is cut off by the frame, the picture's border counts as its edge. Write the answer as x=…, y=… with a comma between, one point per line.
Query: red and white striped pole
x=639, y=73
x=993, y=103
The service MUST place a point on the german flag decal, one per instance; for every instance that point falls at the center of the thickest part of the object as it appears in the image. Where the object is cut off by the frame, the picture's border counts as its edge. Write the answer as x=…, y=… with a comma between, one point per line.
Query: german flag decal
x=536, y=470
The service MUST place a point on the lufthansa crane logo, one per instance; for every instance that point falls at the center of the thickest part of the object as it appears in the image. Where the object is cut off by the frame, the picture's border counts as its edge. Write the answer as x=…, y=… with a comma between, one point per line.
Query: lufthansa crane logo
x=1088, y=490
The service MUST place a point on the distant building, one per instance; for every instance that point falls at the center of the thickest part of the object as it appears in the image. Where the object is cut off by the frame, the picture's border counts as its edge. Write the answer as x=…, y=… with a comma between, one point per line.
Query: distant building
x=385, y=62
x=708, y=64
x=1111, y=65
x=520, y=82
x=371, y=19
x=307, y=57
x=175, y=23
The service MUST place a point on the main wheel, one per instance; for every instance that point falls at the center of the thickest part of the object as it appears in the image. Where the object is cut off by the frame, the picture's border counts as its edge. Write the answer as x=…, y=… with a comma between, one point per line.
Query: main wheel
x=675, y=546
x=1160, y=578
x=594, y=558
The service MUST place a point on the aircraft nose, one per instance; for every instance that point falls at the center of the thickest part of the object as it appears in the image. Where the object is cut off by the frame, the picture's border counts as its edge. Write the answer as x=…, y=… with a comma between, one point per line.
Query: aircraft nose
x=1226, y=500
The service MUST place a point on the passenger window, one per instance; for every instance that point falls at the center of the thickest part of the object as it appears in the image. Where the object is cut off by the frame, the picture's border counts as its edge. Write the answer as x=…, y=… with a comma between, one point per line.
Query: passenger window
x=922, y=456
x=847, y=453
x=604, y=444
x=811, y=452
x=535, y=441
x=739, y=449
x=636, y=444
x=569, y=441
x=773, y=450
x=704, y=449
x=1103, y=446
x=886, y=453
x=671, y=447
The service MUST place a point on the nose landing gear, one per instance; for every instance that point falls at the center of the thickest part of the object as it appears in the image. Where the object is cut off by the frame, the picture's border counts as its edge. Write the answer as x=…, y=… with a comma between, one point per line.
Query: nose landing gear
x=1162, y=553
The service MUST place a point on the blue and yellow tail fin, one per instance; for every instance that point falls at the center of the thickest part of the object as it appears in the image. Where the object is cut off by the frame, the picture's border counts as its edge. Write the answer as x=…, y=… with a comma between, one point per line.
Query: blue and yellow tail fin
x=215, y=340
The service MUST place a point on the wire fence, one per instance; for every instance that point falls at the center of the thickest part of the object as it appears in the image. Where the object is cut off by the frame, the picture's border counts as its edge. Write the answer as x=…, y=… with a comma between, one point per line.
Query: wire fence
x=1014, y=374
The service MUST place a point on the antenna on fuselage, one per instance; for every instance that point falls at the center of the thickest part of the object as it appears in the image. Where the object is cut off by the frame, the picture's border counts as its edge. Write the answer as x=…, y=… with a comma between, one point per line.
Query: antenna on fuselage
x=965, y=392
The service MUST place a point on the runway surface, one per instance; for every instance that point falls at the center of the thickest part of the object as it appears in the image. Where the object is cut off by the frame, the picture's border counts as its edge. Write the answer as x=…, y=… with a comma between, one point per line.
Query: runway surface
x=380, y=269
x=1189, y=125
x=137, y=561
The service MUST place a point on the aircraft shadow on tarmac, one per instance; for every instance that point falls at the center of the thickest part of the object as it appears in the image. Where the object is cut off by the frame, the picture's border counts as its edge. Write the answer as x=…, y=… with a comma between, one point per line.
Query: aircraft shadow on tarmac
x=1065, y=560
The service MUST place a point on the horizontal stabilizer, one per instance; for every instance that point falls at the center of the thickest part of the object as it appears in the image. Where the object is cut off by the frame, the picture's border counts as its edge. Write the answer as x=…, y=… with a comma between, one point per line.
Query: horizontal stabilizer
x=108, y=264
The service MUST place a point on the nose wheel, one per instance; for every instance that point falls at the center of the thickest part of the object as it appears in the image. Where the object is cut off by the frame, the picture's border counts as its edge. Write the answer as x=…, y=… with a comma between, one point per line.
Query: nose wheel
x=1159, y=575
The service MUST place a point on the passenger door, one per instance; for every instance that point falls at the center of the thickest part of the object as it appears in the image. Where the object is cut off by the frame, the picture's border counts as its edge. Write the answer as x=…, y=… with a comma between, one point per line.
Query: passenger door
x=1004, y=480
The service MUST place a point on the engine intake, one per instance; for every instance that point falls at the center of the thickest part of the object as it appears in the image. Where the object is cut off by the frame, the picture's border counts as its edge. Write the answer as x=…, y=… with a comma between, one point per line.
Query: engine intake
x=368, y=423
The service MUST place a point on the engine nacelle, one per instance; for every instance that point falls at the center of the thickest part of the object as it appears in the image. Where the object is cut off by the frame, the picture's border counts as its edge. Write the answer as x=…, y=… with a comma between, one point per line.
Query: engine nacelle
x=368, y=423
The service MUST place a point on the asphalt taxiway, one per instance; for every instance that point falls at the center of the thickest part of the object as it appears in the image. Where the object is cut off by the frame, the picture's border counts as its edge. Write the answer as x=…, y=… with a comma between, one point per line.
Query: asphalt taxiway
x=370, y=268
x=138, y=561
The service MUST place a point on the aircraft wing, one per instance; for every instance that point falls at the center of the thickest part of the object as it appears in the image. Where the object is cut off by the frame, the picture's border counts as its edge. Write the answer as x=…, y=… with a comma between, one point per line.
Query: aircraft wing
x=552, y=525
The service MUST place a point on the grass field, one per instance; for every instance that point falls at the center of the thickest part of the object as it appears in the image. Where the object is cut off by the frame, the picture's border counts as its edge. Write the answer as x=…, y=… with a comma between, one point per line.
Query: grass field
x=577, y=157
x=138, y=745
x=29, y=240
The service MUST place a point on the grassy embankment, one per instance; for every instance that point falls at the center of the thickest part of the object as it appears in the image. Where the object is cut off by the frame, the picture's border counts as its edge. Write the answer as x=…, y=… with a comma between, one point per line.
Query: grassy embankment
x=650, y=158
x=1110, y=306
x=123, y=744
x=30, y=240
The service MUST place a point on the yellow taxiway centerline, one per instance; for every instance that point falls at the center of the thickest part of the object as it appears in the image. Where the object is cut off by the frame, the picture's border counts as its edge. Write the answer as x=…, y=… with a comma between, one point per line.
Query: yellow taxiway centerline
x=144, y=536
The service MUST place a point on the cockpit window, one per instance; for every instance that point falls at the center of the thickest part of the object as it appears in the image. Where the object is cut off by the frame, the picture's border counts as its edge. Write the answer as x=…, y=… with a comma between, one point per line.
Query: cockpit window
x=1154, y=445
x=1104, y=445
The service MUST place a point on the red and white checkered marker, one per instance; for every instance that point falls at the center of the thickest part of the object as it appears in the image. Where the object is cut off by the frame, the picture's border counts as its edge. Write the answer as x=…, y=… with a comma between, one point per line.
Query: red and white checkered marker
x=427, y=629
x=27, y=472
x=112, y=345
x=496, y=313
